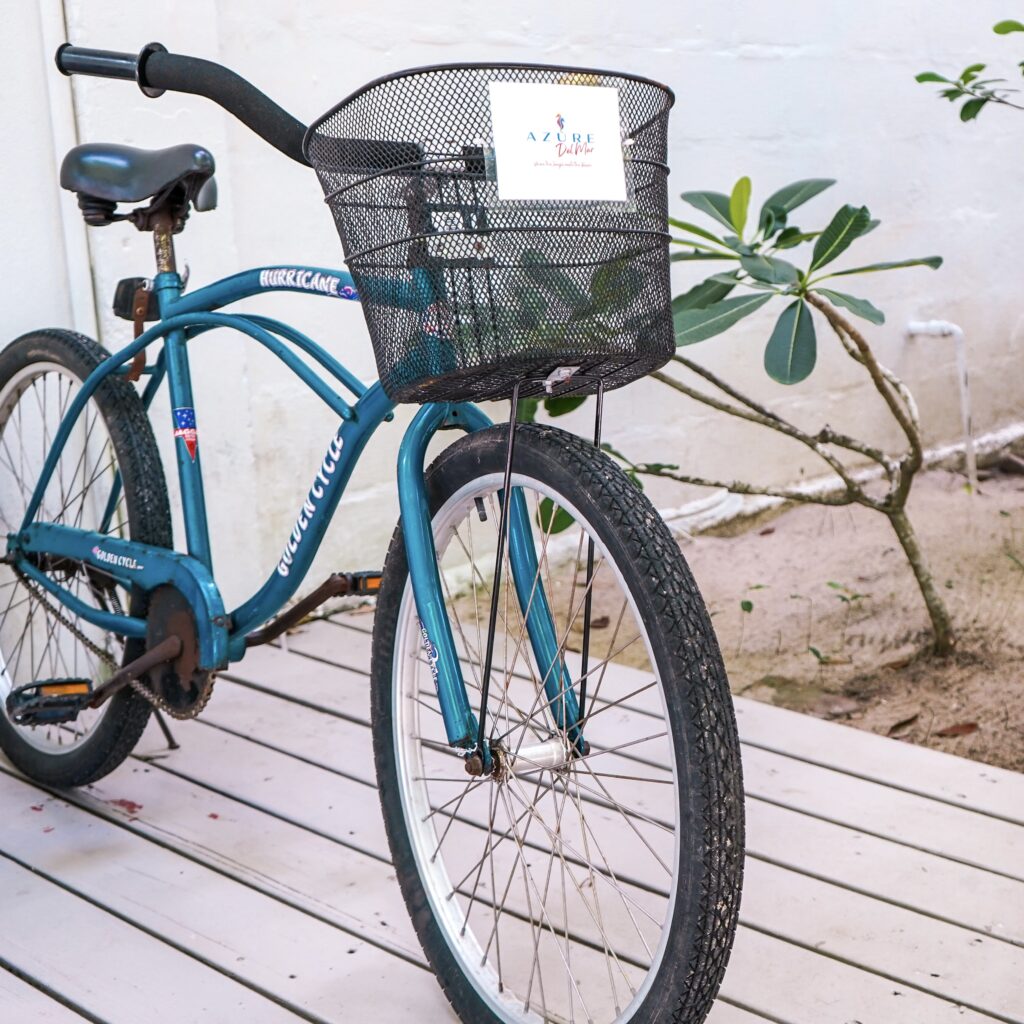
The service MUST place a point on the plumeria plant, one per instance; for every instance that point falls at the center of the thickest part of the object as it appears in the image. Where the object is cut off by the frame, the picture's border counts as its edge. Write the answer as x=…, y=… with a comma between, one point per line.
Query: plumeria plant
x=753, y=273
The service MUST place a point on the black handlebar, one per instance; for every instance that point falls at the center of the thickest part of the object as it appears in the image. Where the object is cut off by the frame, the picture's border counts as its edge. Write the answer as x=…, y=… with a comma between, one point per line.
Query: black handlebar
x=156, y=71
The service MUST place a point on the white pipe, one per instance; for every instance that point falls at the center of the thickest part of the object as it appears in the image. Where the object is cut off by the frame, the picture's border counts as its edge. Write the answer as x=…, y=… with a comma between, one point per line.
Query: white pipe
x=945, y=329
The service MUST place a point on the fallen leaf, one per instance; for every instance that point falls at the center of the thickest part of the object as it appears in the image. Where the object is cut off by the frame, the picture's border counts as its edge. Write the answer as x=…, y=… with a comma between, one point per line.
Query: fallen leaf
x=766, y=532
x=895, y=666
x=214, y=815
x=37, y=807
x=601, y=622
x=833, y=705
x=960, y=729
x=906, y=723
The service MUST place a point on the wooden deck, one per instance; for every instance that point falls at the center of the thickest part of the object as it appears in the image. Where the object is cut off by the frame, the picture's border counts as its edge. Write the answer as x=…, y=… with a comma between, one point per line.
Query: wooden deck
x=244, y=877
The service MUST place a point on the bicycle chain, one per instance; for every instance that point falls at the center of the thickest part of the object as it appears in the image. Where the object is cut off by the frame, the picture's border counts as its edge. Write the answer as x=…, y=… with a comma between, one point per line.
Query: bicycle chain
x=137, y=685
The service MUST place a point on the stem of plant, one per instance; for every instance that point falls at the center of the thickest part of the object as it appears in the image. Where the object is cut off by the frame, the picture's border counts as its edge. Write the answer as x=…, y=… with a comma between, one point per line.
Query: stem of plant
x=942, y=627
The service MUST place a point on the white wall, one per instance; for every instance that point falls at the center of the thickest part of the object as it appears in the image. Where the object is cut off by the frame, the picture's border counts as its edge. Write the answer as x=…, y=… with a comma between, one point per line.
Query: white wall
x=778, y=91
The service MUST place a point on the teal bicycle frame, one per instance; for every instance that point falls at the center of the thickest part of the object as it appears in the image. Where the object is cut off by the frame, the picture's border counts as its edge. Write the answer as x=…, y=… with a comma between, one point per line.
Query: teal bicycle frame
x=221, y=634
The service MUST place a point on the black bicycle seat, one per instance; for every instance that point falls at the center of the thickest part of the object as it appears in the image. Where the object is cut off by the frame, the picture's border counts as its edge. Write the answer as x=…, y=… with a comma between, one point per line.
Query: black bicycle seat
x=123, y=174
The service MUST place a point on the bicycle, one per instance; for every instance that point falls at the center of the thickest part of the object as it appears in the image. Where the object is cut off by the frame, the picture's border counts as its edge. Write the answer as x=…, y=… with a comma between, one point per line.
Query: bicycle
x=553, y=734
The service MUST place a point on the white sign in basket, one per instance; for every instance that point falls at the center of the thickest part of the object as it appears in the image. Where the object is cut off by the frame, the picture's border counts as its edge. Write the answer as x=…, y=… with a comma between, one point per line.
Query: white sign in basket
x=557, y=142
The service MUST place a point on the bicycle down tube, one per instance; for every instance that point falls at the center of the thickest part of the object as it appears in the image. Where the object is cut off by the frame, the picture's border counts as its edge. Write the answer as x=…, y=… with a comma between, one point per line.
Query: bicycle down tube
x=222, y=635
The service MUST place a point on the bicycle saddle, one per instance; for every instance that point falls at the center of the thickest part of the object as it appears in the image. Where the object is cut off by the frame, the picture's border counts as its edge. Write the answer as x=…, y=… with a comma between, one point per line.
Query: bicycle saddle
x=111, y=173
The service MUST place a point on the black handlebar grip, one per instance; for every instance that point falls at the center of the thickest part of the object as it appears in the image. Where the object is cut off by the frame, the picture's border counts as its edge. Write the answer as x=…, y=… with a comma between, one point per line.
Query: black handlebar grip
x=77, y=60
x=161, y=70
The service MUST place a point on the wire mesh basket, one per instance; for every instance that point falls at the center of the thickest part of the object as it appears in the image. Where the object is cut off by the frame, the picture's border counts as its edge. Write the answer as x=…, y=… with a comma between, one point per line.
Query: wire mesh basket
x=469, y=288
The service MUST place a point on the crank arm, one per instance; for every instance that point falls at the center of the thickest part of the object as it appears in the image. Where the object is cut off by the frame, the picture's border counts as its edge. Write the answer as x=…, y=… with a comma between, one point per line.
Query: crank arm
x=167, y=650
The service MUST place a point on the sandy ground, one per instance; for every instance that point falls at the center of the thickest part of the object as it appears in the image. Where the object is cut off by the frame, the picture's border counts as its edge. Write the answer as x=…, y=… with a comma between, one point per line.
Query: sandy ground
x=836, y=626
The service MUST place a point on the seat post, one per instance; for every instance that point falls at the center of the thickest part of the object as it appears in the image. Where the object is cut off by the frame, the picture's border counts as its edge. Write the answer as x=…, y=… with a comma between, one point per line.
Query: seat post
x=163, y=243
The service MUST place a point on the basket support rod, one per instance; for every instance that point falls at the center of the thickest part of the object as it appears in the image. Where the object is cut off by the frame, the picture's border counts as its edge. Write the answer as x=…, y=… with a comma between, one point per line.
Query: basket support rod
x=492, y=620
x=588, y=600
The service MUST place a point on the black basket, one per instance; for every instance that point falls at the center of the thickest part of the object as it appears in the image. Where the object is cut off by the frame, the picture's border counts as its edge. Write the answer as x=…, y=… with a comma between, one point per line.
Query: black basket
x=465, y=293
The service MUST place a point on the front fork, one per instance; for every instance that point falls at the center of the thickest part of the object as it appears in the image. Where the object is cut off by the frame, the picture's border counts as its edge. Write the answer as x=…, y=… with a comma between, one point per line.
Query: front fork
x=460, y=720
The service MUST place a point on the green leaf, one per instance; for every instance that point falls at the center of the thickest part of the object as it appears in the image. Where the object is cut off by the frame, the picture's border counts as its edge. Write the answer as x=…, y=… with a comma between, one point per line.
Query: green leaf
x=971, y=72
x=1004, y=28
x=695, y=325
x=953, y=94
x=552, y=519
x=861, y=307
x=930, y=76
x=678, y=257
x=739, y=202
x=526, y=411
x=791, y=196
x=702, y=295
x=769, y=269
x=792, y=237
x=971, y=109
x=554, y=281
x=738, y=246
x=615, y=285
x=746, y=606
x=693, y=229
x=561, y=406
x=846, y=226
x=792, y=348
x=714, y=204
x=924, y=261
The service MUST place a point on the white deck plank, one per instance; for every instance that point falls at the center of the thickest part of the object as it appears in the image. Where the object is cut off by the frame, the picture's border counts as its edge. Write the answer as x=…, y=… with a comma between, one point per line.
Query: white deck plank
x=899, y=874
x=952, y=963
x=794, y=985
x=20, y=1002
x=938, y=828
x=724, y=1013
x=300, y=961
x=297, y=867
x=984, y=978
x=932, y=773
x=884, y=867
x=110, y=969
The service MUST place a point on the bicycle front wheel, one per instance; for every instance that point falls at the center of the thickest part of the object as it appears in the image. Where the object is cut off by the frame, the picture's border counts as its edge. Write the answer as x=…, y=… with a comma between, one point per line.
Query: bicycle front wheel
x=600, y=887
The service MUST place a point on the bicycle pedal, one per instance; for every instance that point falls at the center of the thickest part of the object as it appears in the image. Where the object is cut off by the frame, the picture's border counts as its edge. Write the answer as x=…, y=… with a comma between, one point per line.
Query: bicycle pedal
x=363, y=582
x=49, y=701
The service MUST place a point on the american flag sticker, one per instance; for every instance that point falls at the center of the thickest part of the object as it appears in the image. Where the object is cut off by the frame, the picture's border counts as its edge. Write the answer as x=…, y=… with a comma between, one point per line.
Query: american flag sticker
x=185, y=428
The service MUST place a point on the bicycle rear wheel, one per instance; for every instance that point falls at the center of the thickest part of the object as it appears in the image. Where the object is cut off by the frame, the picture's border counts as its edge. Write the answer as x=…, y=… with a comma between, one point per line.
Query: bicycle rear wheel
x=602, y=887
x=109, y=479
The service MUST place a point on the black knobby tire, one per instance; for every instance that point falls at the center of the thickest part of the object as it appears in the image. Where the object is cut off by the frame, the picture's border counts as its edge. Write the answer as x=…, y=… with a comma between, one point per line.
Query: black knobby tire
x=696, y=697
x=148, y=519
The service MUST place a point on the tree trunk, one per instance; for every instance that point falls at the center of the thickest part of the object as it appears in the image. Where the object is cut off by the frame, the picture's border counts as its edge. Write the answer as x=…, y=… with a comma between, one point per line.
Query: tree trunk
x=942, y=627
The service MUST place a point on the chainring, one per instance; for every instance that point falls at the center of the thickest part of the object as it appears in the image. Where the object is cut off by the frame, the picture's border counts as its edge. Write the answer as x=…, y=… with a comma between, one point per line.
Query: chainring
x=180, y=687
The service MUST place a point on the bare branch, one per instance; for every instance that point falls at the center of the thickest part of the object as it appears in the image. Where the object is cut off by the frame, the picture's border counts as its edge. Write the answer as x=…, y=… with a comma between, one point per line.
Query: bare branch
x=824, y=436
x=754, y=414
x=847, y=497
x=889, y=392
